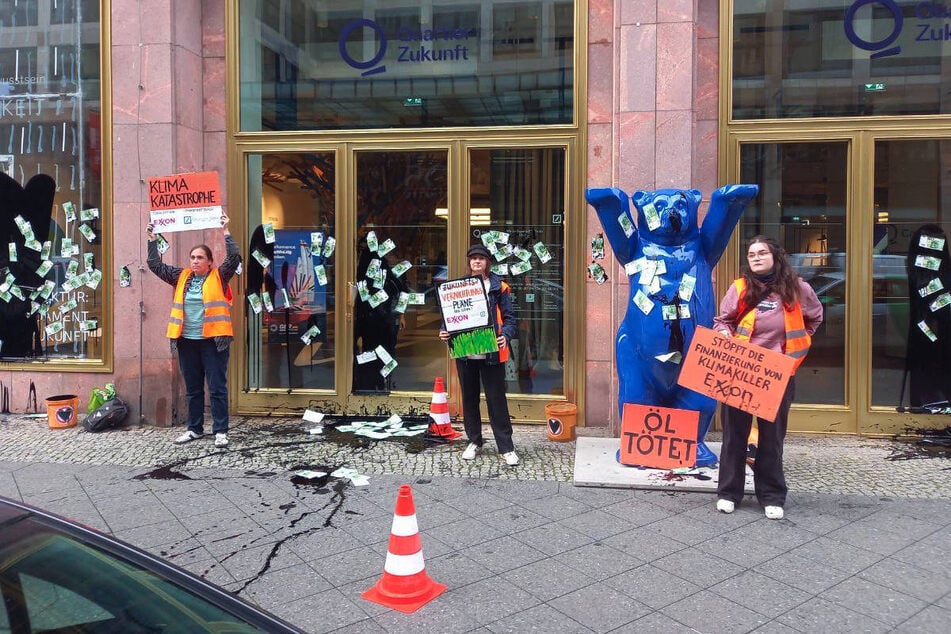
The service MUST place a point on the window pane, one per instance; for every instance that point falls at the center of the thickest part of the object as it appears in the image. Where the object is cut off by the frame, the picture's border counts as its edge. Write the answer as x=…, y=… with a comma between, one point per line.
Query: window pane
x=911, y=321
x=290, y=277
x=839, y=58
x=802, y=203
x=401, y=199
x=325, y=65
x=50, y=143
x=521, y=193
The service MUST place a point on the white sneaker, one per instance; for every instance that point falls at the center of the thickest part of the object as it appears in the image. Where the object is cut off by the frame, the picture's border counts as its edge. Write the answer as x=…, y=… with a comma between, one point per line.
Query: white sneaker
x=471, y=450
x=188, y=436
x=221, y=440
x=774, y=512
x=725, y=506
x=511, y=458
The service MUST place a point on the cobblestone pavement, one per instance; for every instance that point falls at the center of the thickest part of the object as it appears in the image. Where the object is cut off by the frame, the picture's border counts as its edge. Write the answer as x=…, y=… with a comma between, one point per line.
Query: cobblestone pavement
x=864, y=547
x=814, y=463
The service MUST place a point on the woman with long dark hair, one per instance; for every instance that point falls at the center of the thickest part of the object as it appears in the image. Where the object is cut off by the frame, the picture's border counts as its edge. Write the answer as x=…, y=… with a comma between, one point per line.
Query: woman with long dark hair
x=770, y=306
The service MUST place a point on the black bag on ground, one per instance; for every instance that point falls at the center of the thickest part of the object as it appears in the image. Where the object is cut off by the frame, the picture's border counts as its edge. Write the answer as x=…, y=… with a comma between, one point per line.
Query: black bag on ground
x=109, y=414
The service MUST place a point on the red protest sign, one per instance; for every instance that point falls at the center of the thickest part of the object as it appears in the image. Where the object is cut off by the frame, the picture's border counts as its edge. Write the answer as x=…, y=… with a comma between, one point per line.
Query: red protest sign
x=658, y=437
x=184, y=202
x=736, y=372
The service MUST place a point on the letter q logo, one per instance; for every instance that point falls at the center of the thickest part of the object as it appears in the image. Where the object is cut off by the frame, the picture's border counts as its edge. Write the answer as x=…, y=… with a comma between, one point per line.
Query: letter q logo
x=365, y=66
x=880, y=47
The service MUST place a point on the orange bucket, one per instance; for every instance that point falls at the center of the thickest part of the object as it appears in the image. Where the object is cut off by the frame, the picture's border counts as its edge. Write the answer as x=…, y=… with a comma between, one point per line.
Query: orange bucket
x=562, y=417
x=62, y=410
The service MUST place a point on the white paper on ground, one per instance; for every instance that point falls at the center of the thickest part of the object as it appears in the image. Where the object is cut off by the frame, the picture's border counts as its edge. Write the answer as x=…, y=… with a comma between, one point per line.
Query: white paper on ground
x=313, y=417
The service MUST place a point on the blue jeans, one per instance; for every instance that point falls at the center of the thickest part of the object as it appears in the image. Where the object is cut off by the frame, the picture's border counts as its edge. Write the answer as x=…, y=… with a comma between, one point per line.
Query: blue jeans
x=201, y=361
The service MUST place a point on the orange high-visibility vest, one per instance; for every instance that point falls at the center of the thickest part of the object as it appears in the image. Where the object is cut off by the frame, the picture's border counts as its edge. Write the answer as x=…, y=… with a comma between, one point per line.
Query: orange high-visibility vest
x=797, y=339
x=503, y=352
x=217, y=322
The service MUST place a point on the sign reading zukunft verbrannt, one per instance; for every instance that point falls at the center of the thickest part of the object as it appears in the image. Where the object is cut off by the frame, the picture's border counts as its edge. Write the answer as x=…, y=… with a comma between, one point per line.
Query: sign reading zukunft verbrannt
x=465, y=310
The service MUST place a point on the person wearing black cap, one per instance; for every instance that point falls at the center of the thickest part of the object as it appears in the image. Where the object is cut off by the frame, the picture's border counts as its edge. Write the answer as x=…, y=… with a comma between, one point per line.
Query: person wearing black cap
x=488, y=368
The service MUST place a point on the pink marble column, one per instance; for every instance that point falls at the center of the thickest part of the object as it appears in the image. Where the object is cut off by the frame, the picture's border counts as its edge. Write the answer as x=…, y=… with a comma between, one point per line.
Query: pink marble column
x=652, y=123
x=168, y=117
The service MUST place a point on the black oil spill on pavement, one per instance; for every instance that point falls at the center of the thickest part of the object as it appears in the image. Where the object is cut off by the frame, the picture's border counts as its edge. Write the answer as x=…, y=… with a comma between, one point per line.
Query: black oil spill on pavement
x=165, y=553
x=167, y=472
x=928, y=443
x=317, y=484
x=337, y=501
x=413, y=444
x=164, y=473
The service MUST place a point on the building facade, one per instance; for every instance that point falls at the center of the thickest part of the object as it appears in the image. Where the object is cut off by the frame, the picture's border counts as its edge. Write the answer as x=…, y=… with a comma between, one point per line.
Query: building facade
x=362, y=146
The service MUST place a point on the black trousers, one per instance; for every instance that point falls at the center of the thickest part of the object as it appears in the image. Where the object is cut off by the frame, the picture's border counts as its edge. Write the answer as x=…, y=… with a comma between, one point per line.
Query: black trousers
x=492, y=378
x=769, y=480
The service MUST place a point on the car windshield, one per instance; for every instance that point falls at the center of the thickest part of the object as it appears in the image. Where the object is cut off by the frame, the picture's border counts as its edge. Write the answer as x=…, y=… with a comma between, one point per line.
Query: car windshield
x=829, y=288
x=51, y=582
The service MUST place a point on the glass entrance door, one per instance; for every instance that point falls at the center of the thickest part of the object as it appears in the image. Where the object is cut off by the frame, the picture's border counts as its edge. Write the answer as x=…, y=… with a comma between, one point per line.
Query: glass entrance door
x=517, y=196
x=803, y=203
x=346, y=247
x=289, y=293
x=401, y=246
x=911, y=274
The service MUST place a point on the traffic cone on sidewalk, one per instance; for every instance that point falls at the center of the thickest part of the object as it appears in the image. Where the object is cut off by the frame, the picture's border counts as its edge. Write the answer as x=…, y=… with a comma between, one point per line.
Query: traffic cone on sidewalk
x=404, y=586
x=440, y=427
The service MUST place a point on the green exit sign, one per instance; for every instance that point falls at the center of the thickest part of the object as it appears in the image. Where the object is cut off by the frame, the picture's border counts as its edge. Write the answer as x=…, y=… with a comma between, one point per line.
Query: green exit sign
x=874, y=87
x=413, y=102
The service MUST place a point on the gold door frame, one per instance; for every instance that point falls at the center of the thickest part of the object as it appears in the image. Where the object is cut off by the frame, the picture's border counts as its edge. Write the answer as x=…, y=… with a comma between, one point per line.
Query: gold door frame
x=525, y=408
x=857, y=415
x=458, y=142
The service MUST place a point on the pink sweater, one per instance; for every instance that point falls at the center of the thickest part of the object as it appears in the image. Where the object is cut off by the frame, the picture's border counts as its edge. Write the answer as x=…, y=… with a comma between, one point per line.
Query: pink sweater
x=769, y=329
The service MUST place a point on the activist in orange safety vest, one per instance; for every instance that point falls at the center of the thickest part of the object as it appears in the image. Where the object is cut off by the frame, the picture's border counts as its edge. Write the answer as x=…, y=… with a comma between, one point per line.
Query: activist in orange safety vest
x=200, y=329
x=489, y=369
x=771, y=307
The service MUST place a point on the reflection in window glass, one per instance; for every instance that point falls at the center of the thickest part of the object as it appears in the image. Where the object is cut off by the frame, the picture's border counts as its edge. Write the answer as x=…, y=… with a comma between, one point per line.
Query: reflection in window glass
x=802, y=203
x=330, y=65
x=18, y=13
x=911, y=318
x=839, y=58
x=520, y=193
x=290, y=275
x=52, y=262
x=401, y=246
x=48, y=587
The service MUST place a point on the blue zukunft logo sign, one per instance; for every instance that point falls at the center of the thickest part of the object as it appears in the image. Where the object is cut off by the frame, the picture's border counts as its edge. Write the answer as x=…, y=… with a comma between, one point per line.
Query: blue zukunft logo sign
x=926, y=29
x=882, y=47
x=414, y=46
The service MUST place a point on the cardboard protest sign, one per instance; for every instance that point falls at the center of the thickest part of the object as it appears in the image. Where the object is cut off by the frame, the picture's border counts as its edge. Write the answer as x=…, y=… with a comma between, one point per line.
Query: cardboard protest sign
x=741, y=374
x=658, y=437
x=185, y=202
x=465, y=310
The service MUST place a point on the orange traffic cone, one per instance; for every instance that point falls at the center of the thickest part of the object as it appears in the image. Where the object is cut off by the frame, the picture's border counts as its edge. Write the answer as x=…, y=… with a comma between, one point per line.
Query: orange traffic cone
x=440, y=427
x=404, y=586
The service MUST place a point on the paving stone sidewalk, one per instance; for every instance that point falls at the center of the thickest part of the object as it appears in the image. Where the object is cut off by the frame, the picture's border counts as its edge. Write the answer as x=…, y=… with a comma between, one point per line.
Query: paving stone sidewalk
x=814, y=463
x=865, y=546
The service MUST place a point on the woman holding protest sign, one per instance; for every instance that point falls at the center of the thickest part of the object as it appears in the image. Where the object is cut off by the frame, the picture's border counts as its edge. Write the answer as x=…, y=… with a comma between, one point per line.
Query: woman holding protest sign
x=200, y=329
x=770, y=306
x=488, y=368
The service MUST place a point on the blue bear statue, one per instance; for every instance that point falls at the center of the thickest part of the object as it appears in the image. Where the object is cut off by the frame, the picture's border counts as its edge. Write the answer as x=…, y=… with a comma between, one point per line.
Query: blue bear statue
x=668, y=243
